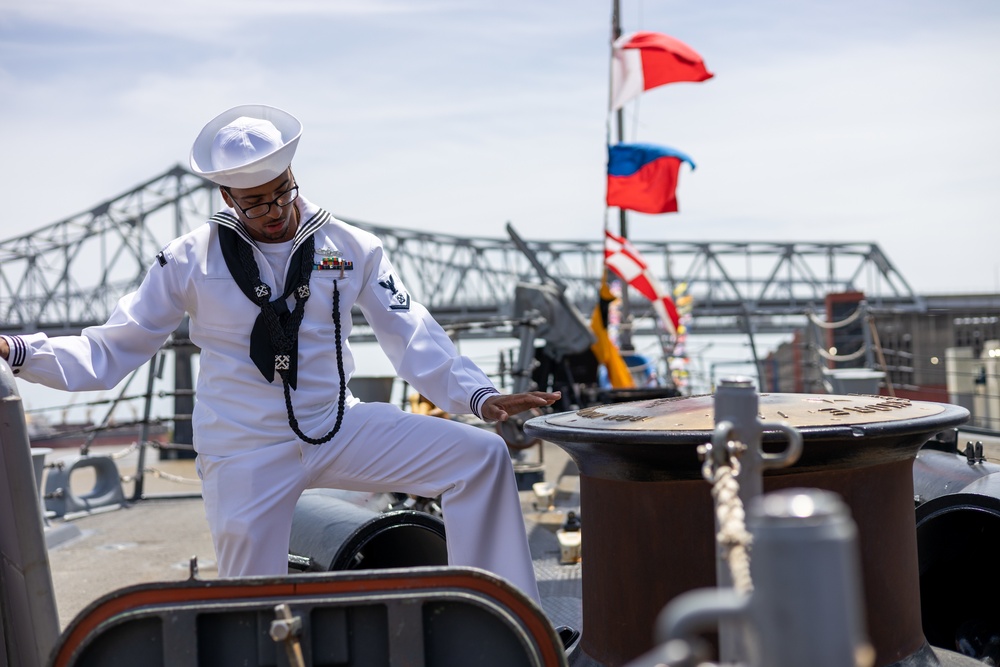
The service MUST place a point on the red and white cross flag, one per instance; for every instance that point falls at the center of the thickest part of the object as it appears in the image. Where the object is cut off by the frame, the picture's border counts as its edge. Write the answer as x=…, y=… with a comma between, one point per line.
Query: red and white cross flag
x=622, y=259
x=644, y=60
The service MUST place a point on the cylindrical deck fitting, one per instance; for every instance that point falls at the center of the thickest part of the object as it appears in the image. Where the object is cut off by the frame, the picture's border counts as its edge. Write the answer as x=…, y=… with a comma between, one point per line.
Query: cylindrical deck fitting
x=649, y=511
x=336, y=534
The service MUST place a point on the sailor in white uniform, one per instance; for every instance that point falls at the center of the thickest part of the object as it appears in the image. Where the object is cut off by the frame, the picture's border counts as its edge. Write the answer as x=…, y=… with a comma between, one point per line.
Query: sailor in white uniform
x=269, y=283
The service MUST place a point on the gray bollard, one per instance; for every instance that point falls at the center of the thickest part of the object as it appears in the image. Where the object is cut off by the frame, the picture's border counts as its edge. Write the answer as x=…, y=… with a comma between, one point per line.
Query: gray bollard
x=30, y=624
x=737, y=420
x=807, y=606
x=61, y=499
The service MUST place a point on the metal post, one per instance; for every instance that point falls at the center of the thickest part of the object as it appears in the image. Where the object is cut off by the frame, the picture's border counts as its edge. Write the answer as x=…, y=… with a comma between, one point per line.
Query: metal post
x=736, y=409
x=27, y=603
x=625, y=332
x=183, y=399
x=866, y=334
x=807, y=604
x=525, y=363
x=140, y=469
x=736, y=420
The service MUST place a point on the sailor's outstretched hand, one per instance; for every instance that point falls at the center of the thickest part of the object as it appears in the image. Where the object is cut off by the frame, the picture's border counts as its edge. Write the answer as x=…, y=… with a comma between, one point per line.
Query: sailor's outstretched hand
x=501, y=406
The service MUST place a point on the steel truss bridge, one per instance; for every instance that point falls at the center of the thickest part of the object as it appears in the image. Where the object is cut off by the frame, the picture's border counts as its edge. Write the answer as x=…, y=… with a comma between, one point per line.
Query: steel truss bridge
x=69, y=274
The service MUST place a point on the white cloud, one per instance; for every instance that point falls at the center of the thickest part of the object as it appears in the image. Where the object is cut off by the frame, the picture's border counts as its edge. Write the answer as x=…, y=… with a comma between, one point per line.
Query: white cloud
x=847, y=123
x=225, y=20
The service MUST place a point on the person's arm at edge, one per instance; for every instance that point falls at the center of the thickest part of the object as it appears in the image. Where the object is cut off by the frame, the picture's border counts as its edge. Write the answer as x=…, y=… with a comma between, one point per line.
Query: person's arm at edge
x=4, y=348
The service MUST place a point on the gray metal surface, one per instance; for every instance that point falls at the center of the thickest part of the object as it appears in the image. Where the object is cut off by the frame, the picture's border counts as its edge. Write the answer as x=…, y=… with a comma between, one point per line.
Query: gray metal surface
x=426, y=617
x=558, y=584
x=807, y=602
x=937, y=473
x=27, y=602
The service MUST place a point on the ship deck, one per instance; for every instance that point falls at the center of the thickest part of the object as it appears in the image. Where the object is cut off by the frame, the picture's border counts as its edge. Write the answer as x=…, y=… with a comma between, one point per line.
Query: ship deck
x=155, y=538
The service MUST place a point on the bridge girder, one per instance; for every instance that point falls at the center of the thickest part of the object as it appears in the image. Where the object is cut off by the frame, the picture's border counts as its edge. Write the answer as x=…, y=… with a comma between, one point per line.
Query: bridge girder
x=70, y=274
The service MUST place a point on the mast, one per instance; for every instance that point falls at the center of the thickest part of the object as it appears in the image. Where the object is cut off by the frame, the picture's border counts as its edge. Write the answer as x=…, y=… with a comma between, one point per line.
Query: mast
x=625, y=332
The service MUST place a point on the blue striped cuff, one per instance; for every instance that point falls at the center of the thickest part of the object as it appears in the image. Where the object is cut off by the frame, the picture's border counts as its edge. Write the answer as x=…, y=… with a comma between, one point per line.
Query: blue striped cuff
x=479, y=397
x=18, y=351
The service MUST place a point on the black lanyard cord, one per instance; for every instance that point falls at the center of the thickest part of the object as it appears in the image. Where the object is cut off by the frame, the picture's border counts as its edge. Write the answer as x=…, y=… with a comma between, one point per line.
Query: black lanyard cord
x=283, y=329
x=292, y=421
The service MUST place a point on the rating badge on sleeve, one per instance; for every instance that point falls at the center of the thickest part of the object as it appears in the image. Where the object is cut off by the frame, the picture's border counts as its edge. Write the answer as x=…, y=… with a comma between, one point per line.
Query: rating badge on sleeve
x=398, y=297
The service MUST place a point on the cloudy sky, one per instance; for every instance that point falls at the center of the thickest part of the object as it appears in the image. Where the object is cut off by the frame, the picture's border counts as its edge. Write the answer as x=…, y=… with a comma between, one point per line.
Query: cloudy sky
x=841, y=120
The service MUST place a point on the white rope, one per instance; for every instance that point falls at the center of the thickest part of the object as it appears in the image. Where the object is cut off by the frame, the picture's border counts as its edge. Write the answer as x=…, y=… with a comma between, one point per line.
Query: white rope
x=733, y=536
x=842, y=357
x=162, y=475
x=834, y=325
x=125, y=452
x=171, y=477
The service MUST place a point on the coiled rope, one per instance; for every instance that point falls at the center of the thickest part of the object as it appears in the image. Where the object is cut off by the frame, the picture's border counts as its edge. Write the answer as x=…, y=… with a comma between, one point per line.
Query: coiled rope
x=733, y=536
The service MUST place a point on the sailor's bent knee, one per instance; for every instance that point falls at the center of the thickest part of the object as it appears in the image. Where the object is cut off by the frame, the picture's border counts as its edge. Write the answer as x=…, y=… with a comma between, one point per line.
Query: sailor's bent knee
x=240, y=532
x=492, y=450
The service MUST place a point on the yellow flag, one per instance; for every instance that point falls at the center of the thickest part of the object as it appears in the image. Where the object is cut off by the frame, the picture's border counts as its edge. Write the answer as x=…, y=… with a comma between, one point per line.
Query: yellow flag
x=606, y=351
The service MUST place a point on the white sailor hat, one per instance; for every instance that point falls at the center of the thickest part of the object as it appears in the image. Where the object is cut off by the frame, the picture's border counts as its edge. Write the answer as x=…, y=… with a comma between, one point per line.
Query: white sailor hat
x=246, y=146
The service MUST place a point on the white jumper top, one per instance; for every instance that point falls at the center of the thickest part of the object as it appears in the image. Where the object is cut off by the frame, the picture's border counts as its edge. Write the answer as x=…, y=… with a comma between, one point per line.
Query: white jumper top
x=237, y=409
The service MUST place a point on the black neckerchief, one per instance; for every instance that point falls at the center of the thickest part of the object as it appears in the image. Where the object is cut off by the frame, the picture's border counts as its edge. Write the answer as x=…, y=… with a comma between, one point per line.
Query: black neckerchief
x=274, y=339
x=264, y=342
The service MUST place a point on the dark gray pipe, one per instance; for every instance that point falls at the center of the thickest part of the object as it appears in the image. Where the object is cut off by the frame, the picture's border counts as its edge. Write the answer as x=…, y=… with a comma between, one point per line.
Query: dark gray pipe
x=336, y=533
x=937, y=473
x=958, y=534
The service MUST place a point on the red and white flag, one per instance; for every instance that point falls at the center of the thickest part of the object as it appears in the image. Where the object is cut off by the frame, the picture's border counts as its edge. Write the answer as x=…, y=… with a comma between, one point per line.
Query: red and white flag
x=644, y=60
x=624, y=261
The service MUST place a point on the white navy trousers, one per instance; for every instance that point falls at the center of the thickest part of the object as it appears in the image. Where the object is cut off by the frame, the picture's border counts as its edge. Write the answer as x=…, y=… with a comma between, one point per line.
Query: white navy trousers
x=250, y=497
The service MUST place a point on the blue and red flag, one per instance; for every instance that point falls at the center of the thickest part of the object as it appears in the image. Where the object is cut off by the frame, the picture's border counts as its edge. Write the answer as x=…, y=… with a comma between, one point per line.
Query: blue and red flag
x=643, y=177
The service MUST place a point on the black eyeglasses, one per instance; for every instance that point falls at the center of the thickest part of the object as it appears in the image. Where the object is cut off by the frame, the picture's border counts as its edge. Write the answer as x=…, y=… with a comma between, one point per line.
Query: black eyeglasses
x=260, y=210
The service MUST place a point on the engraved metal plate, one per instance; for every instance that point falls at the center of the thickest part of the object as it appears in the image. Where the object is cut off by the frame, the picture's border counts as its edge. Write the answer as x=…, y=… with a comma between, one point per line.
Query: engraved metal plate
x=696, y=413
